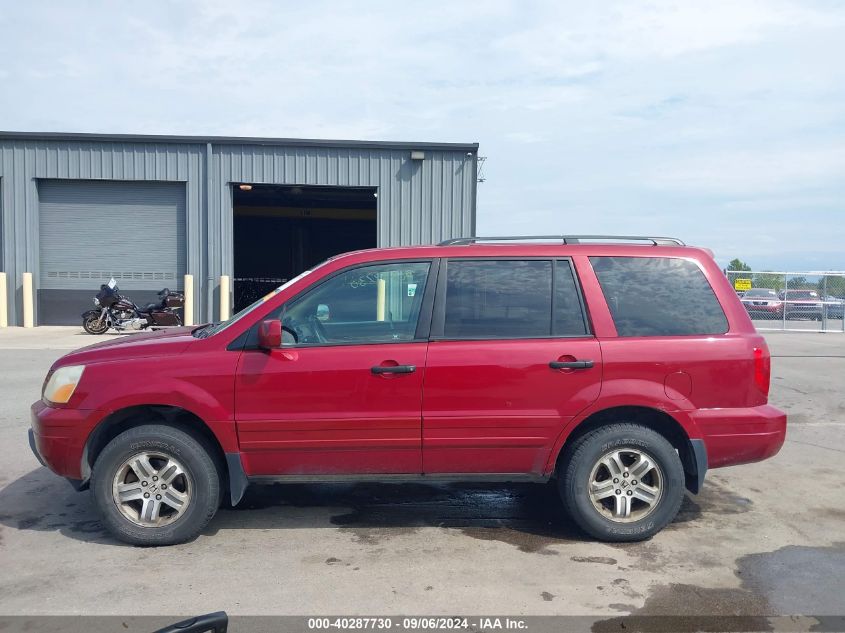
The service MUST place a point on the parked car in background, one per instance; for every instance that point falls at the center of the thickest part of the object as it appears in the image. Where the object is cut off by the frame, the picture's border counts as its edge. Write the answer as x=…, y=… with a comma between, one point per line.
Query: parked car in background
x=762, y=303
x=802, y=304
x=622, y=371
x=834, y=307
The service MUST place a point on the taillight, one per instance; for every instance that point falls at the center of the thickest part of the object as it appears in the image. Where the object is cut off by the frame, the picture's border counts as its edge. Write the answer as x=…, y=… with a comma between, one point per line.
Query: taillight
x=762, y=369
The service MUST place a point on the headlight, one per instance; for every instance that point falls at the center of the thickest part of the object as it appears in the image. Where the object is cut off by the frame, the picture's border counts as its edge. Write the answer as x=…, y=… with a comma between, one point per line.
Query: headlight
x=62, y=384
x=96, y=301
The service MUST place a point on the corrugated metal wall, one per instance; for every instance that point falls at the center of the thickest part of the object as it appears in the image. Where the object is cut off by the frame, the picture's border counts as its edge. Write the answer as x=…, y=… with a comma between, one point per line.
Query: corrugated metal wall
x=419, y=201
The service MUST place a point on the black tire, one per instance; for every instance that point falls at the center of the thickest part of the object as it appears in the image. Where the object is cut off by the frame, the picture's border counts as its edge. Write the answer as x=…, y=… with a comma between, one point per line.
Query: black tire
x=193, y=454
x=576, y=467
x=93, y=325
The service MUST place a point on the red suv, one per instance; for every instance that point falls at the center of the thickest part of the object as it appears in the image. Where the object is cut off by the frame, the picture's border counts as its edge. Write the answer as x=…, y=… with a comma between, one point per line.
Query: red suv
x=623, y=368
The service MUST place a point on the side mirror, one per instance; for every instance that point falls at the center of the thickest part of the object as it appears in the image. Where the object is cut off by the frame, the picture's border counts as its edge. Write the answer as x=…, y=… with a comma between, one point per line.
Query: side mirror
x=270, y=334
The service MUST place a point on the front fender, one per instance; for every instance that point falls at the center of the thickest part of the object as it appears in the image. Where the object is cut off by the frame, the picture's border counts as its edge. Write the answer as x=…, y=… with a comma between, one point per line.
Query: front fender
x=180, y=394
x=223, y=429
x=200, y=384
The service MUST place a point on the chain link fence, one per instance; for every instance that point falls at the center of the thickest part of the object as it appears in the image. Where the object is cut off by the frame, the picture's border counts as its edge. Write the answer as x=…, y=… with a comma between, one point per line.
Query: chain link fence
x=795, y=301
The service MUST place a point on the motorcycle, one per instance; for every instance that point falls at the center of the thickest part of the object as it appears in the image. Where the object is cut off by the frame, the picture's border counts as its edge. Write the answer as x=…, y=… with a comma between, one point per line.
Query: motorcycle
x=113, y=310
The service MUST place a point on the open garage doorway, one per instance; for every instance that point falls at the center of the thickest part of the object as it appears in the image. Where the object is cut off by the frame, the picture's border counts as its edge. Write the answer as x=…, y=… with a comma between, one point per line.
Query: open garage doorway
x=280, y=231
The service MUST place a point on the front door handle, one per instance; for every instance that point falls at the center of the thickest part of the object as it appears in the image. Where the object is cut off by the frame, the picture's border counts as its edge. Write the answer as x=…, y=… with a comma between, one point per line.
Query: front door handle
x=394, y=369
x=571, y=364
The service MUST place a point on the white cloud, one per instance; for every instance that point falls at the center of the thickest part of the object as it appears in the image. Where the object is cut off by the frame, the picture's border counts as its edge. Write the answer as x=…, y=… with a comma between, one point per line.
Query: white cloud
x=660, y=29
x=614, y=116
x=762, y=171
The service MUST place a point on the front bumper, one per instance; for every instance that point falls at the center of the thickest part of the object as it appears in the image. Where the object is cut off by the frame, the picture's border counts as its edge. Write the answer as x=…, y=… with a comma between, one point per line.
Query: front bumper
x=804, y=310
x=741, y=436
x=34, y=448
x=763, y=308
x=764, y=311
x=58, y=436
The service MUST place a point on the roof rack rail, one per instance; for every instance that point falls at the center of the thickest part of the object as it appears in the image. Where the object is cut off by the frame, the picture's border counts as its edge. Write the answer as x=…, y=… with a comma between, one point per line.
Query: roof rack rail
x=565, y=239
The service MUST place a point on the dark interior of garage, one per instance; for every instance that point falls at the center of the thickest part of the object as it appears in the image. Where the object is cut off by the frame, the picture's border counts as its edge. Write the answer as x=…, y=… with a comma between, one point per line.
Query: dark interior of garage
x=280, y=231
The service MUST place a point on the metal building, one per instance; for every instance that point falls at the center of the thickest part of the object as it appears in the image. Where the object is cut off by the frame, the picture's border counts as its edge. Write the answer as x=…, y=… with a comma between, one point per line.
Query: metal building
x=77, y=209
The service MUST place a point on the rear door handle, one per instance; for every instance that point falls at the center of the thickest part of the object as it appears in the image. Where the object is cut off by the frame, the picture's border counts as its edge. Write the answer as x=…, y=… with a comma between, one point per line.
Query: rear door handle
x=394, y=369
x=572, y=364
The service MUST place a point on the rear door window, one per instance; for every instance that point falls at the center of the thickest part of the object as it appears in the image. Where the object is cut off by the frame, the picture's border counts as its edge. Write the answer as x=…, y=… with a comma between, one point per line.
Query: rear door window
x=659, y=296
x=498, y=299
x=568, y=307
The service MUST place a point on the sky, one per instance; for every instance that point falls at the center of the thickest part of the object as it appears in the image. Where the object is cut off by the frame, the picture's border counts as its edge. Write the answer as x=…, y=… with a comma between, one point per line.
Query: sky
x=719, y=122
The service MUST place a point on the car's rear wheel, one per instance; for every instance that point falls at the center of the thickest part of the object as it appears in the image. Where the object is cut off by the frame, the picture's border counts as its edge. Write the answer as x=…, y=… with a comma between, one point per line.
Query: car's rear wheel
x=156, y=485
x=621, y=482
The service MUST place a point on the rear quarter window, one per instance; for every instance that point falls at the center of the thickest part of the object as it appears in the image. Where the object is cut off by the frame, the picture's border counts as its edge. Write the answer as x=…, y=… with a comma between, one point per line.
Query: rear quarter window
x=659, y=296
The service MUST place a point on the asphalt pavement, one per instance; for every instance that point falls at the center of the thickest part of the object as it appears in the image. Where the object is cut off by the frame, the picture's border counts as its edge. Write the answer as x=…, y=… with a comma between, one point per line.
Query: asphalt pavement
x=760, y=539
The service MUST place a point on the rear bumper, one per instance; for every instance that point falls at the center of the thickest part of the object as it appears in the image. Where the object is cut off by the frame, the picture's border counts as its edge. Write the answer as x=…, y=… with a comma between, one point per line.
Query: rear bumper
x=741, y=436
x=57, y=437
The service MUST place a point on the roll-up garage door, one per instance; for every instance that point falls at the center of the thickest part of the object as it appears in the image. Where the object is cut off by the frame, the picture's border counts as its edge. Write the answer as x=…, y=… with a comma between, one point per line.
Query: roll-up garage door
x=91, y=231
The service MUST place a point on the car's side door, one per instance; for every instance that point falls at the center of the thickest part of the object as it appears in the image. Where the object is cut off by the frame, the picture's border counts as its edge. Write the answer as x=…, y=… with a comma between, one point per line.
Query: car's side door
x=342, y=395
x=511, y=361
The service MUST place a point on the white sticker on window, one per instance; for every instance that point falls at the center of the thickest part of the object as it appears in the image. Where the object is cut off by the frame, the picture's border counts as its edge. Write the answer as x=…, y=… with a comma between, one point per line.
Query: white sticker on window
x=412, y=290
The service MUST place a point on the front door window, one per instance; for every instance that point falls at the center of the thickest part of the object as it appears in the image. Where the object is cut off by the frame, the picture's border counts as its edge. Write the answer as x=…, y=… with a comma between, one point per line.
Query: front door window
x=369, y=304
x=345, y=397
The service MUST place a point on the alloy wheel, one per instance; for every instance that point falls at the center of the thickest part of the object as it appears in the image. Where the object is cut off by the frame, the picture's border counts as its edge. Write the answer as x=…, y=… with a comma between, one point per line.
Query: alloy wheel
x=626, y=485
x=152, y=489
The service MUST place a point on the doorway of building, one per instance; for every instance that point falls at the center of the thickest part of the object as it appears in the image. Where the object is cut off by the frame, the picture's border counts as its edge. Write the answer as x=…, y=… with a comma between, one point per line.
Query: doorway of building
x=280, y=231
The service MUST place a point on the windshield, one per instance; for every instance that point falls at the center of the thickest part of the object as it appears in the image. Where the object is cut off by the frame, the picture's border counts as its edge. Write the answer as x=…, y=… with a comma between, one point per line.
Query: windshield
x=216, y=328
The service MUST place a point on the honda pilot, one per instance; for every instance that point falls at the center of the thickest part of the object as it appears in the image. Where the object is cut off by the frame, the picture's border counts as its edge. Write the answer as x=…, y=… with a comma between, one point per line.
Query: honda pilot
x=620, y=368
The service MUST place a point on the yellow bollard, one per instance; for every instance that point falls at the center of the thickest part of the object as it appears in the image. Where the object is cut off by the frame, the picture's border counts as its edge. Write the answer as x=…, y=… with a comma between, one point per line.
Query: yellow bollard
x=381, y=299
x=26, y=278
x=188, y=311
x=224, y=298
x=4, y=318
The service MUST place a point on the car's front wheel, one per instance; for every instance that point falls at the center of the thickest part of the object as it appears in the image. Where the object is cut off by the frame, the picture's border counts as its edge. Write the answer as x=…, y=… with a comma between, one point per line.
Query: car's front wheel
x=155, y=485
x=621, y=482
x=93, y=324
